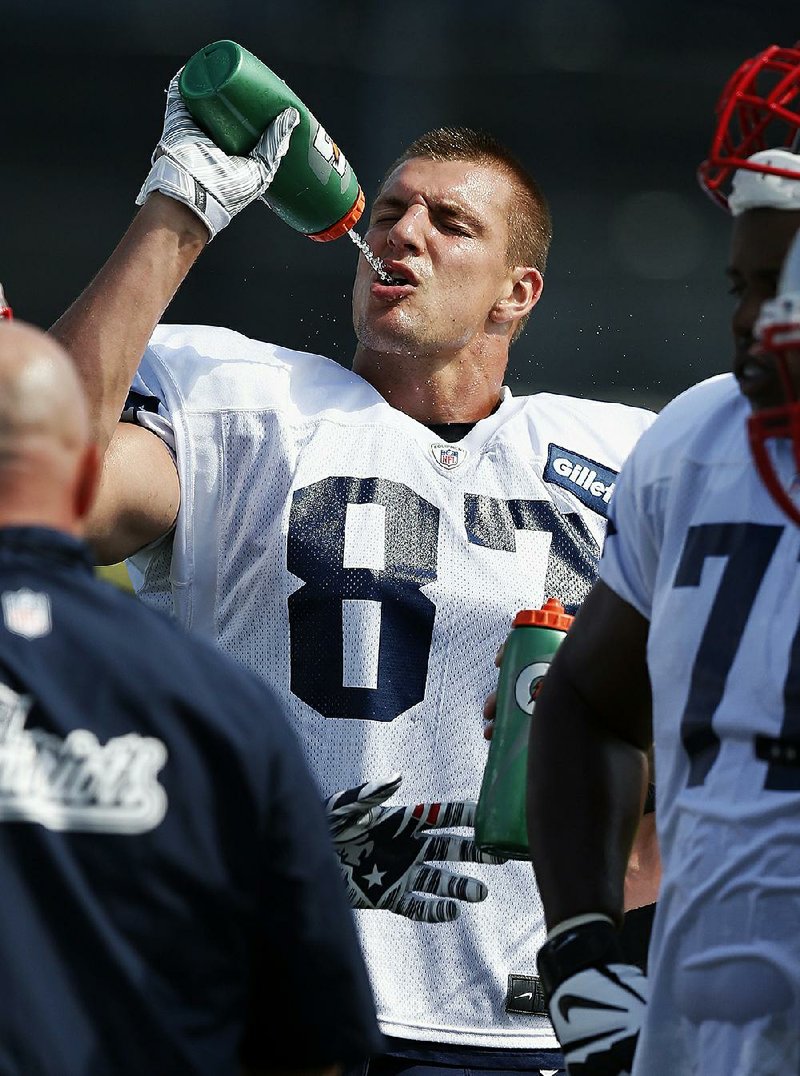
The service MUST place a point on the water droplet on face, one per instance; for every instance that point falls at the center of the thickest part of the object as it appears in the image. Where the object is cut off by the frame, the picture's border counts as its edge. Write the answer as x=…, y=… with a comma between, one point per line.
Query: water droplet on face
x=371, y=257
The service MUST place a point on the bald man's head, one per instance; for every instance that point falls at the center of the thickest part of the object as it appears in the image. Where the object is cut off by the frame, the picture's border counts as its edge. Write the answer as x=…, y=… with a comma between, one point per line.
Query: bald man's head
x=44, y=432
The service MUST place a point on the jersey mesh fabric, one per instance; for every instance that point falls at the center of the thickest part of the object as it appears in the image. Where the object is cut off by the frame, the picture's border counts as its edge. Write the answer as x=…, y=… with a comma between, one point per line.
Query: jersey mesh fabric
x=326, y=543
x=720, y=583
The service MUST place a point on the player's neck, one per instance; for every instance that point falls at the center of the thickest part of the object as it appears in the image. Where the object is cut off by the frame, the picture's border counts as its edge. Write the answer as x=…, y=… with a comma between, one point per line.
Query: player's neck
x=31, y=496
x=457, y=390
x=33, y=515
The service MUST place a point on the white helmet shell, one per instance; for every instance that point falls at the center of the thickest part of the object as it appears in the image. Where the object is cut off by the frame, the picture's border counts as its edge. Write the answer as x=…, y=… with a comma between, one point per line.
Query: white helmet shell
x=764, y=190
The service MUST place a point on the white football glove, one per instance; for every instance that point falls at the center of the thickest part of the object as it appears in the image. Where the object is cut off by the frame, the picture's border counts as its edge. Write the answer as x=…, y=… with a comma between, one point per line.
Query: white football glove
x=596, y=1001
x=384, y=852
x=189, y=167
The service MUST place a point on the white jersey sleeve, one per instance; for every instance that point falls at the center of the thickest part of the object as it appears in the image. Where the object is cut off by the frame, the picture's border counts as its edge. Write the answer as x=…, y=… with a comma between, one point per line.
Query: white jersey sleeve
x=629, y=564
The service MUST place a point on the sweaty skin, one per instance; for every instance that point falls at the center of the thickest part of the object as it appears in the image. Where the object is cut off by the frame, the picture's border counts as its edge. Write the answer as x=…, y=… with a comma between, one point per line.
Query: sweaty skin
x=435, y=348
x=436, y=344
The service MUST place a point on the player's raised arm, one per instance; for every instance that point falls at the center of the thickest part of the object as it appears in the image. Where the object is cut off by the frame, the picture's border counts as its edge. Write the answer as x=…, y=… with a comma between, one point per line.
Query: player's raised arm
x=107, y=328
x=192, y=191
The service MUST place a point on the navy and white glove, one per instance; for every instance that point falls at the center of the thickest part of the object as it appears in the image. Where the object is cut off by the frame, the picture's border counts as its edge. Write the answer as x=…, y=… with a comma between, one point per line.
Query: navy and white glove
x=385, y=852
x=189, y=167
x=596, y=1001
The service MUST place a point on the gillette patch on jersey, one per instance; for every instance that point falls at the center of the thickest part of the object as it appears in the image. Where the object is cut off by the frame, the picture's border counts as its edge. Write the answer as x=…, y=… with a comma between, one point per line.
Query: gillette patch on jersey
x=525, y=995
x=590, y=482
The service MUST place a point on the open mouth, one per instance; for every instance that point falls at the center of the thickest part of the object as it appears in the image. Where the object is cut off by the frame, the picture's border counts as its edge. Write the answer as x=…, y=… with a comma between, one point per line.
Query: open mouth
x=759, y=381
x=750, y=368
x=394, y=279
x=395, y=282
x=397, y=275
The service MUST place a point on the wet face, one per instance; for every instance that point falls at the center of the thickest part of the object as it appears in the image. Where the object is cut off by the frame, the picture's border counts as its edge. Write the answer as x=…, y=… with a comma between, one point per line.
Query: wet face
x=441, y=227
x=760, y=240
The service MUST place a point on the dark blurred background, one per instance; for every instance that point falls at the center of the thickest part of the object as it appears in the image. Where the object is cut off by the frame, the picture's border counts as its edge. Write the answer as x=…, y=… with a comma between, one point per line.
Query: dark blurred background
x=609, y=102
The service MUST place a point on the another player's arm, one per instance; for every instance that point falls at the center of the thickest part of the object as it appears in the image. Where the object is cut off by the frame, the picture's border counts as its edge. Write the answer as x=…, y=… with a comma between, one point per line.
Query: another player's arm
x=588, y=760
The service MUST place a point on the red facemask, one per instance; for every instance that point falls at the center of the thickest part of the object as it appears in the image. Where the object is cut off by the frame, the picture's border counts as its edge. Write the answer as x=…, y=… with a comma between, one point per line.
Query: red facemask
x=758, y=109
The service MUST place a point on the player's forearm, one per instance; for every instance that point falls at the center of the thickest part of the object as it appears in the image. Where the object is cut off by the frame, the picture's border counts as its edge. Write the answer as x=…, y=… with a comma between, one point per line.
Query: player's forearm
x=585, y=794
x=107, y=328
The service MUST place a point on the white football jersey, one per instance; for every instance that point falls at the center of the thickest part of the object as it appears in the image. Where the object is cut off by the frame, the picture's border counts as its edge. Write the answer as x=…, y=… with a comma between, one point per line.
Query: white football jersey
x=699, y=548
x=369, y=572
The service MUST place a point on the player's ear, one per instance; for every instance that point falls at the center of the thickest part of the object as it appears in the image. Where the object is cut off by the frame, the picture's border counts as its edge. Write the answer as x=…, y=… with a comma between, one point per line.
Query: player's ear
x=520, y=296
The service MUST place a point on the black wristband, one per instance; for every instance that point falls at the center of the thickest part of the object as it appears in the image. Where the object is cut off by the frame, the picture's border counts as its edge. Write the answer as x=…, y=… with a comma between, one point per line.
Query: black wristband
x=580, y=947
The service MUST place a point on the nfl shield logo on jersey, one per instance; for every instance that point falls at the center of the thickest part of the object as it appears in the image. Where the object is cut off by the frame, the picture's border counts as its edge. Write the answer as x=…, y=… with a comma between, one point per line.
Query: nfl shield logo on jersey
x=448, y=456
x=27, y=613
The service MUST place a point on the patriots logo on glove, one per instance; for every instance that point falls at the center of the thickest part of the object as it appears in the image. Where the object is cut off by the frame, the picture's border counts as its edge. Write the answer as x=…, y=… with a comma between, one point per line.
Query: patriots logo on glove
x=385, y=853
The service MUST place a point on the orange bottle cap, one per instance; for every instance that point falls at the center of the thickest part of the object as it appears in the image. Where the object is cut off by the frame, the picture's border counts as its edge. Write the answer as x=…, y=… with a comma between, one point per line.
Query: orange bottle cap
x=348, y=221
x=551, y=615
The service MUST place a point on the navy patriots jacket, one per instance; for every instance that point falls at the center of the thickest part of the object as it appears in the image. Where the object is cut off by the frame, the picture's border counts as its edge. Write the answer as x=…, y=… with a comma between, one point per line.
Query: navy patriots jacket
x=165, y=863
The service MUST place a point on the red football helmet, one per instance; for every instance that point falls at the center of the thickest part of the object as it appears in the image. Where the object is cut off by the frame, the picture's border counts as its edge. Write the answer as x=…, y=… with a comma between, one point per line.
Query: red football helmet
x=777, y=331
x=758, y=109
x=5, y=309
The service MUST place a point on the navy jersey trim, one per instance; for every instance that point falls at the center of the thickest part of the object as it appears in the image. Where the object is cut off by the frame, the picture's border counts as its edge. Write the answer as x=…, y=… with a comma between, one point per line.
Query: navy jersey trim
x=139, y=401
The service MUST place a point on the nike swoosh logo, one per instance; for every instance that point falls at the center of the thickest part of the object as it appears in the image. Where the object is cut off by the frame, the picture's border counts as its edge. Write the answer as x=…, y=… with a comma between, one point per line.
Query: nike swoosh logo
x=575, y=1001
x=519, y=997
x=620, y=1046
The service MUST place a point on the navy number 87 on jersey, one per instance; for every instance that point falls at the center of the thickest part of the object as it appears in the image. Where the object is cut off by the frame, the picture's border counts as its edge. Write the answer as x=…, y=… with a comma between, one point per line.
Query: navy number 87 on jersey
x=324, y=611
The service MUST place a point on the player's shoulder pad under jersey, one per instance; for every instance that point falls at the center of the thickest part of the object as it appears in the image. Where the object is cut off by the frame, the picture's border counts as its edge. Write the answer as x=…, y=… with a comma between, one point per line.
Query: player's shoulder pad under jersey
x=704, y=424
x=212, y=368
x=137, y=402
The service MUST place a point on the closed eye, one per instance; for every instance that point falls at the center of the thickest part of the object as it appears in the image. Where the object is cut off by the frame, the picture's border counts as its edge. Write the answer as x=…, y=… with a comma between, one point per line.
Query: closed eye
x=455, y=221
x=454, y=228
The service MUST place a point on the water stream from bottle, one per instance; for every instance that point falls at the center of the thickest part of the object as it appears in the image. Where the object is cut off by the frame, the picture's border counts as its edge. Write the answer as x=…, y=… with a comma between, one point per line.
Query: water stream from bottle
x=371, y=257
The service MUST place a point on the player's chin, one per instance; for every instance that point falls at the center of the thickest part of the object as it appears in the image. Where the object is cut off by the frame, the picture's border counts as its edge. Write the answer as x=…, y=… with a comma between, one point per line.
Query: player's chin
x=762, y=395
x=387, y=330
x=759, y=383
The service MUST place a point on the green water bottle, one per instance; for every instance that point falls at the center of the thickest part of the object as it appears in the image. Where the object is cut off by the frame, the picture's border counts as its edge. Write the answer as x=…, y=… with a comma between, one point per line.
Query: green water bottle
x=234, y=97
x=500, y=822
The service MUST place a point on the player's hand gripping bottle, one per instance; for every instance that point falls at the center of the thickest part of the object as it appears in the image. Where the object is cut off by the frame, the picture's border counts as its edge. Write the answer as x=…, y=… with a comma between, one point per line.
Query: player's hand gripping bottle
x=234, y=97
x=500, y=823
